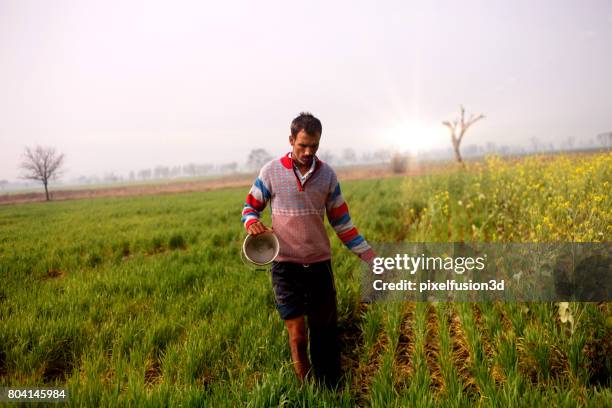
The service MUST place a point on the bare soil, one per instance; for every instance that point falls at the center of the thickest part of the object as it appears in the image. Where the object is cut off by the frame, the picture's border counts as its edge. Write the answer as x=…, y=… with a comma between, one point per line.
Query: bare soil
x=172, y=187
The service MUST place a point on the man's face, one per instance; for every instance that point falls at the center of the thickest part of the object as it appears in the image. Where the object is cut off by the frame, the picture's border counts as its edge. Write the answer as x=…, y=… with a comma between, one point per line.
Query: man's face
x=305, y=147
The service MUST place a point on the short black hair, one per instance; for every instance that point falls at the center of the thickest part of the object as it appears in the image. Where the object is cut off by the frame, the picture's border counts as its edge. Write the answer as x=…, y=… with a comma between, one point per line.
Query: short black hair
x=306, y=122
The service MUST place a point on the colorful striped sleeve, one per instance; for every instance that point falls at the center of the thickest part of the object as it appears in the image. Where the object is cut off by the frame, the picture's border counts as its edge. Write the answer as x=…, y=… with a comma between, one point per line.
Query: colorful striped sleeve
x=340, y=220
x=256, y=200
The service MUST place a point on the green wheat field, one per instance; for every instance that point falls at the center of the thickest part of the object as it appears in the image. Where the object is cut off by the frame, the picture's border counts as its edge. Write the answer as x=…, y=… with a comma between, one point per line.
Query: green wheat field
x=145, y=301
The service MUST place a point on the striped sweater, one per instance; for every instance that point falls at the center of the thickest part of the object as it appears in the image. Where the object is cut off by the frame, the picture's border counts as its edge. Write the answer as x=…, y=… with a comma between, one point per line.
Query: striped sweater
x=298, y=211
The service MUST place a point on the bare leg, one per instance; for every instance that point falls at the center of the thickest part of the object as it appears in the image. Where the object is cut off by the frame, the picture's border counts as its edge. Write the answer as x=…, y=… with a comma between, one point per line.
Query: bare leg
x=298, y=341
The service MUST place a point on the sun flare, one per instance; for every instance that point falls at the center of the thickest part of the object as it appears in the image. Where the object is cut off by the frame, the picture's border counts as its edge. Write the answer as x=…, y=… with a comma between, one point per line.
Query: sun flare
x=414, y=136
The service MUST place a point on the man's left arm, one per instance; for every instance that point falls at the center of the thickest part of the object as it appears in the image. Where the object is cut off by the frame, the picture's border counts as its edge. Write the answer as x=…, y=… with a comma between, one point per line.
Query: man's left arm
x=339, y=218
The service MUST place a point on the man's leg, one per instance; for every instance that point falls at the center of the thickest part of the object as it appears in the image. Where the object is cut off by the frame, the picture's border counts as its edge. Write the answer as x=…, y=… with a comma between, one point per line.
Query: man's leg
x=298, y=341
x=322, y=324
x=291, y=303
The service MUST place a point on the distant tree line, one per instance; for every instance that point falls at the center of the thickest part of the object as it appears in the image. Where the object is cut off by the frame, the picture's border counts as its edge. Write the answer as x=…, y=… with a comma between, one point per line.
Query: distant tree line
x=347, y=157
x=44, y=164
x=163, y=173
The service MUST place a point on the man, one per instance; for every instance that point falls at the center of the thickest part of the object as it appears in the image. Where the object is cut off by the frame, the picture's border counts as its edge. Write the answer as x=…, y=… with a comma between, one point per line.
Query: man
x=301, y=189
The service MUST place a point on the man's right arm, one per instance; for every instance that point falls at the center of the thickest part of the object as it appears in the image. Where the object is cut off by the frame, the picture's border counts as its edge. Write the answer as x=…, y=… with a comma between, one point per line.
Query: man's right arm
x=255, y=203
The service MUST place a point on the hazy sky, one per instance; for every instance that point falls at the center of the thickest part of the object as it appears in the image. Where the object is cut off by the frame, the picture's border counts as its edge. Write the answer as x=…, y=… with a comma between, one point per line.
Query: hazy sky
x=126, y=85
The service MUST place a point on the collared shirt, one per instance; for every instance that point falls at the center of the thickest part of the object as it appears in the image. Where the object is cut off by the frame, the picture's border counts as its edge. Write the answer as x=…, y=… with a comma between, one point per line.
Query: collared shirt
x=306, y=176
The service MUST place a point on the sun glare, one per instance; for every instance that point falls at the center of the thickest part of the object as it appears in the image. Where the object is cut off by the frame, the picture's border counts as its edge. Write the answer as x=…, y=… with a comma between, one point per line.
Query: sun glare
x=414, y=137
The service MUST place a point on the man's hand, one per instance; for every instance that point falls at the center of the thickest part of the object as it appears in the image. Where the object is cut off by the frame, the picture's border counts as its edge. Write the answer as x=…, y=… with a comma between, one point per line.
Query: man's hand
x=368, y=257
x=257, y=228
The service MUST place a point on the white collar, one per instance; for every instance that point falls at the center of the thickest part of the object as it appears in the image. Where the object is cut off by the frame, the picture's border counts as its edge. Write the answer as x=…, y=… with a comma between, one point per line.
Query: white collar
x=304, y=177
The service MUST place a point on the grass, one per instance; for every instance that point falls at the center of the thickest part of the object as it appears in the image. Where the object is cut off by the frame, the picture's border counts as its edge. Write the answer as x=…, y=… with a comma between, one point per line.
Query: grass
x=145, y=300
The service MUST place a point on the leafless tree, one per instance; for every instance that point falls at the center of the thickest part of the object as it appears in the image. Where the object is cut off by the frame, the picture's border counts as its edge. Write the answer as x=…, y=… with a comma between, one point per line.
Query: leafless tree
x=457, y=128
x=175, y=171
x=383, y=155
x=203, y=169
x=605, y=139
x=42, y=164
x=231, y=167
x=535, y=144
x=349, y=156
x=161, y=172
x=398, y=163
x=144, y=174
x=189, y=169
x=257, y=158
x=326, y=156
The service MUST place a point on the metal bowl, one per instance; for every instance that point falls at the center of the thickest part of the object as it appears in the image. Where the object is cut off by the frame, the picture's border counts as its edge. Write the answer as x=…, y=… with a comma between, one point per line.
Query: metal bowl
x=261, y=249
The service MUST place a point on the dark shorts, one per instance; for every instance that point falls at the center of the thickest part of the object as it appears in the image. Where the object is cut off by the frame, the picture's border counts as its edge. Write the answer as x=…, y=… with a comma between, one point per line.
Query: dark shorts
x=304, y=289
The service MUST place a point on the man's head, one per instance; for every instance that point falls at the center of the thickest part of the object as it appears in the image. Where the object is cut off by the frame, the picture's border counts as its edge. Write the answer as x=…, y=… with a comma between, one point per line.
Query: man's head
x=304, y=139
